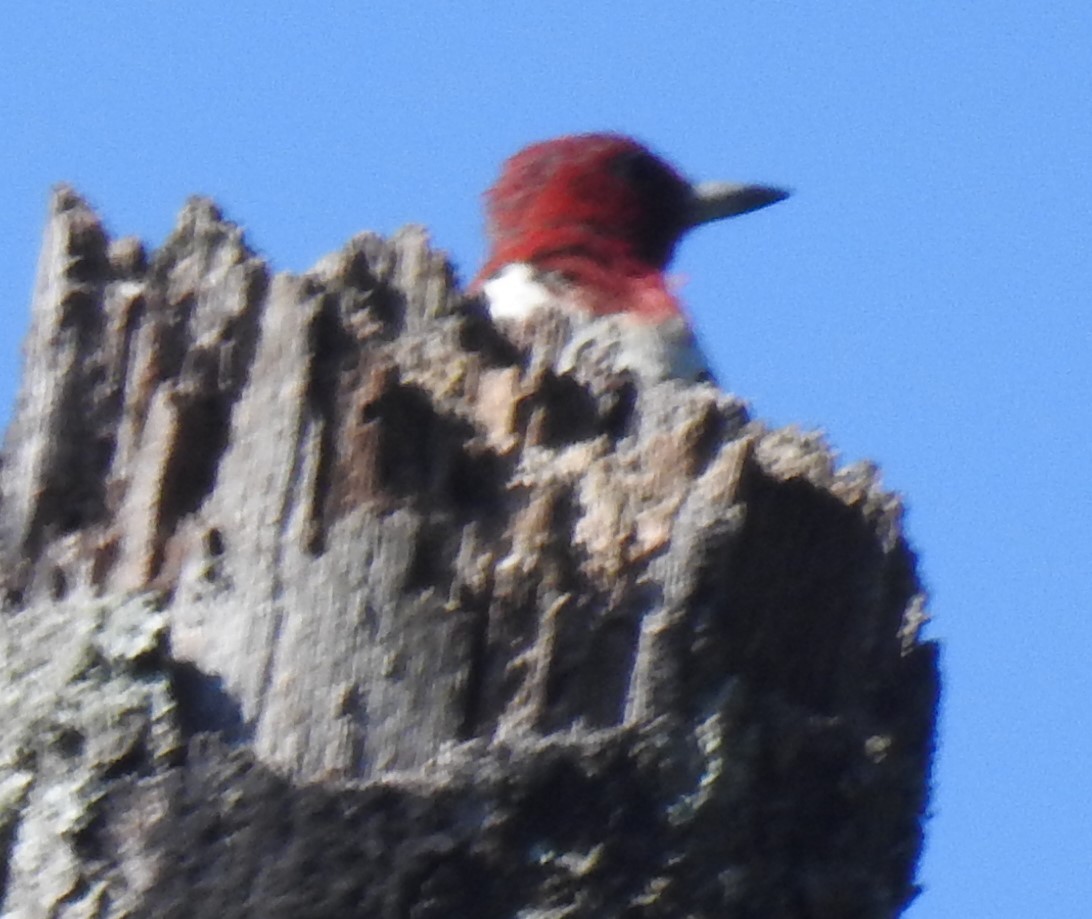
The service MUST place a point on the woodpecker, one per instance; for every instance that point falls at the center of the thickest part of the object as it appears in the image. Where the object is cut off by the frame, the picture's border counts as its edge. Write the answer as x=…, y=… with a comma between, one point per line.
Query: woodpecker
x=588, y=224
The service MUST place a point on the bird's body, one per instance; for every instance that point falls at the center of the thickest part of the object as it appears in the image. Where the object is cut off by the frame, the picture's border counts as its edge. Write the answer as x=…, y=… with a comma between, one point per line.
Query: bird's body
x=665, y=348
x=588, y=224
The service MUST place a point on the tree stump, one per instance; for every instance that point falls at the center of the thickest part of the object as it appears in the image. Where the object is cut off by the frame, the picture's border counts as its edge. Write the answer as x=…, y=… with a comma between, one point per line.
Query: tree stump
x=325, y=597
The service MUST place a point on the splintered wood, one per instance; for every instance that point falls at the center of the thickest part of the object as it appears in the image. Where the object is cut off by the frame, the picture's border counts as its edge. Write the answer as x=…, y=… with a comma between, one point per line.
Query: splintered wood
x=327, y=563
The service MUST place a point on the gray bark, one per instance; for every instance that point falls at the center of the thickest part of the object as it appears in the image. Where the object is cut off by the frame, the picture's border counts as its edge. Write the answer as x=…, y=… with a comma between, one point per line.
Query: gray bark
x=325, y=597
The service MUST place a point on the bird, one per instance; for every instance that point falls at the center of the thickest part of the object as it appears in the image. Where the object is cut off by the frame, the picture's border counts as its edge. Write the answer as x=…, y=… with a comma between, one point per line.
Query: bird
x=588, y=224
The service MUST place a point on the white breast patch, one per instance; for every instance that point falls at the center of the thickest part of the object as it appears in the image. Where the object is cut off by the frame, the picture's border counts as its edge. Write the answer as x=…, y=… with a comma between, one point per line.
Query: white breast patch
x=516, y=292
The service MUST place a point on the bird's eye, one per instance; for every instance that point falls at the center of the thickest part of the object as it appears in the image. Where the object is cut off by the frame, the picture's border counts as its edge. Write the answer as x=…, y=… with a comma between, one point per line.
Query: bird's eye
x=651, y=178
x=638, y=168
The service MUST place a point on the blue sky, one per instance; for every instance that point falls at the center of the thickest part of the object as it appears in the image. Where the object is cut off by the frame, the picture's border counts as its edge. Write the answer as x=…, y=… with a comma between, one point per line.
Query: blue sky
x=924, y=297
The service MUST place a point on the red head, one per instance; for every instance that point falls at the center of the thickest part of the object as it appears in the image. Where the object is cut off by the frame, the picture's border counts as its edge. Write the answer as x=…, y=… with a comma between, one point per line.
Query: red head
x=600, y=215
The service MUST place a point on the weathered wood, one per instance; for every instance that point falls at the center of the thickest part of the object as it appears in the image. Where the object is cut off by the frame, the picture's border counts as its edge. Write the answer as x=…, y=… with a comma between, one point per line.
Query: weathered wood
x=324, y=597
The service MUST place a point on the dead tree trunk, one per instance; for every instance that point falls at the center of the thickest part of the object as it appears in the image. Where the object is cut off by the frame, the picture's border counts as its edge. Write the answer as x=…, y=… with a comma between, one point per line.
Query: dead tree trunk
x=324, y=598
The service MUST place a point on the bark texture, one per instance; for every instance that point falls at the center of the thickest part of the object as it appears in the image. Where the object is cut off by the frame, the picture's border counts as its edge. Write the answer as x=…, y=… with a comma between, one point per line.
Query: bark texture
x=324, y=597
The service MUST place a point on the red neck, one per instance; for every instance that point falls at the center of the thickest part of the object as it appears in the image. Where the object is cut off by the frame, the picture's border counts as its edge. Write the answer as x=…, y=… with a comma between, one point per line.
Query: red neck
x=596, y=273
